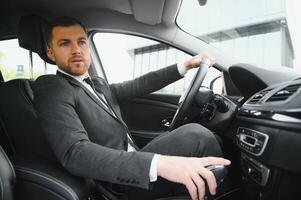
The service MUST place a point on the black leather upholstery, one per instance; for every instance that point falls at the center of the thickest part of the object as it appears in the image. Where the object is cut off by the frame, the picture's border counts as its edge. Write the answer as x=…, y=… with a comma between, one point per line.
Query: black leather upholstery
x=19, y=120
x=39, y=175
x=7, y=177
x=36, y=177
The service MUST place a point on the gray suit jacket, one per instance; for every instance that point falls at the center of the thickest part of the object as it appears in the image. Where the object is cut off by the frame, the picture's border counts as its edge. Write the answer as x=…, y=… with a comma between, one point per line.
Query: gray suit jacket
x=87, y=140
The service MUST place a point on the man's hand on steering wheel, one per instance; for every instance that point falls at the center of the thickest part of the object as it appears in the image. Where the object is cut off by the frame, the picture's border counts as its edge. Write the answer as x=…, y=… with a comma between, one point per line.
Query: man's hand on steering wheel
x=203, y=61
x=196, y=60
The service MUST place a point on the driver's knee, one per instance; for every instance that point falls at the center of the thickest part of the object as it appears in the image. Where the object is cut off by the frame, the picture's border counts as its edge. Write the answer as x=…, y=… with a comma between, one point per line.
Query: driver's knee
x=201, y=139
x=196, y=132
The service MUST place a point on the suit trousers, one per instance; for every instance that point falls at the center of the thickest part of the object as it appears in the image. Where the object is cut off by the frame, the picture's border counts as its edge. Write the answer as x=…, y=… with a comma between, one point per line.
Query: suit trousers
x=190, y=140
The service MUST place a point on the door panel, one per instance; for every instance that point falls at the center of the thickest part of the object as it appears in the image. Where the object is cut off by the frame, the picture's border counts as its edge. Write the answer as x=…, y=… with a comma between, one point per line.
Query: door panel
x=145, y=116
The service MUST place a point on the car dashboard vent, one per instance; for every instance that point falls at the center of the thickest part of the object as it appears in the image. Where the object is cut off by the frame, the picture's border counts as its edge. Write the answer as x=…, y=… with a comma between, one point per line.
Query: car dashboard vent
x=285, y=93
x=257, y=97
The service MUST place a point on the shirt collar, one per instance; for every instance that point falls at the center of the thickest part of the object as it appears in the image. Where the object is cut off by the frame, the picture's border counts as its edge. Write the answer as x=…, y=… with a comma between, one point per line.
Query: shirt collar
x=79, y=78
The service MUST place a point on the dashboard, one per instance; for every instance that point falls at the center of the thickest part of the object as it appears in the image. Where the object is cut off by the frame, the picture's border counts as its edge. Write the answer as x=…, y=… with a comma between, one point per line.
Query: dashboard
x=267, y=130
x=264, y=124
x=269, y=125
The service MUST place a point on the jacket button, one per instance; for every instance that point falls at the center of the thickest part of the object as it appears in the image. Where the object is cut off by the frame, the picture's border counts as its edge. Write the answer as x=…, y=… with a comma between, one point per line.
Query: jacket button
x=133, y=181
x=121, y=180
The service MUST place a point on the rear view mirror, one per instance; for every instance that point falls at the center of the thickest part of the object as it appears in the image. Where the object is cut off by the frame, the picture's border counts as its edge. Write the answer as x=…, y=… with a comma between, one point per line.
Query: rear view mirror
x=202, y=2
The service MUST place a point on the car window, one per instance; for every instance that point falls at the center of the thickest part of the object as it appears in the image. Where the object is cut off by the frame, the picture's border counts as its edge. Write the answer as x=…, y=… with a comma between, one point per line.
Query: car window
x=15, y=62
x=125, y=57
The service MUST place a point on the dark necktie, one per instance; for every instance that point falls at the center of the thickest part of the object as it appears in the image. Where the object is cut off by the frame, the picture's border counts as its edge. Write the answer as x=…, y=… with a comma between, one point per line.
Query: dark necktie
x=109, y=108
x=101, y=96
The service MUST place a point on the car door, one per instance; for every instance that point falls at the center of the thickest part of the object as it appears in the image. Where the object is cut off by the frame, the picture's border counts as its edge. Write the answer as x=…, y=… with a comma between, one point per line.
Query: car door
x=124, y=57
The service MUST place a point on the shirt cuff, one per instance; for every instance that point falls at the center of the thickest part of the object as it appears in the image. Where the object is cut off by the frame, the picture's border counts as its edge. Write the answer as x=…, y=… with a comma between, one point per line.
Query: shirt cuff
x=153, y=169
x=181, y=69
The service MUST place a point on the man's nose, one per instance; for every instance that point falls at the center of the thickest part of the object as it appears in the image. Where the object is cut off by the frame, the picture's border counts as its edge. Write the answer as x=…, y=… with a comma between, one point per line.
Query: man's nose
x=75, y=48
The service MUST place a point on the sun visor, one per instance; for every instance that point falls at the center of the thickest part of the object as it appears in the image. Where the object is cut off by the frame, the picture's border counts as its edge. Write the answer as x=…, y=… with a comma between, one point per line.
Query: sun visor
x=148, y=12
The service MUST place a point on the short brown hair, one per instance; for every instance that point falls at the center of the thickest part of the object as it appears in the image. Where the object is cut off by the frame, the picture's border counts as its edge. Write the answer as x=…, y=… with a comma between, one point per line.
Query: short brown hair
x=64, y=21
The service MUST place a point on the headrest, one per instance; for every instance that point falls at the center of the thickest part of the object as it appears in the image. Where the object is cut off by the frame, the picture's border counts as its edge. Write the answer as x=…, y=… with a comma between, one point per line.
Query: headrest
x=31, y=35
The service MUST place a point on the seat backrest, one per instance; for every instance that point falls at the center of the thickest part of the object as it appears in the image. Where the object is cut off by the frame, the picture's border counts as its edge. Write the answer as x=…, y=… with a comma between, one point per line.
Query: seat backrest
x=7, y=177
x=39, y=174
x=19, y=123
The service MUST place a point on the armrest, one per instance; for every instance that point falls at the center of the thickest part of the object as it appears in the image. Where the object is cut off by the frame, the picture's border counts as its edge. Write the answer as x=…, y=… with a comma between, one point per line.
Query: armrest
x=41, y=179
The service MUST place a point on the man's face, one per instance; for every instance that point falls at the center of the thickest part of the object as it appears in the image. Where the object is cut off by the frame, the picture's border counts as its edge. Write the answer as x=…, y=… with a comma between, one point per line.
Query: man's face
x=70, y=49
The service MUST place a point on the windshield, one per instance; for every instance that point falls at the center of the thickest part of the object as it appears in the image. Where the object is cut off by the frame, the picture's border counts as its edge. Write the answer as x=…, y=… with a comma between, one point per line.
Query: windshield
x=257, y=31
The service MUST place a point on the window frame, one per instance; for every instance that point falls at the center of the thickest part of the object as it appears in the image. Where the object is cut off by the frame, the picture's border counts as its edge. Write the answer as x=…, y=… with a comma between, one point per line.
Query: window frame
x=97, y=62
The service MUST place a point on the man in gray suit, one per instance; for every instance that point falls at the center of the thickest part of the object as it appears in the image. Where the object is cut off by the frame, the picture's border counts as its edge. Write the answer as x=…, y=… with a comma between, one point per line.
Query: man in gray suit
x=82, y=122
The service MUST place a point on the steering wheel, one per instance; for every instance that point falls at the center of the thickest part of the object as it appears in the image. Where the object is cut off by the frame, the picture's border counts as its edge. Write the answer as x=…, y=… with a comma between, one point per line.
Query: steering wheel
x=188, y=96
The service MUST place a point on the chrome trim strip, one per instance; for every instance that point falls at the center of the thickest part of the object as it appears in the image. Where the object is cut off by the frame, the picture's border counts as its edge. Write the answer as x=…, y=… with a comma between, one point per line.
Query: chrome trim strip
x=285, y=118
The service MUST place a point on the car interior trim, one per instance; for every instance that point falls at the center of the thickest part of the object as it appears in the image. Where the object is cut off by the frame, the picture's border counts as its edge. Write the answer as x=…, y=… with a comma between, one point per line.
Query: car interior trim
x=41, y=177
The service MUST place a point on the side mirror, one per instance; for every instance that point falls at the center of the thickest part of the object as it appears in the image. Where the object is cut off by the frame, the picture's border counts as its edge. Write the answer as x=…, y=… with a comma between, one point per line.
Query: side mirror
x=202, y=2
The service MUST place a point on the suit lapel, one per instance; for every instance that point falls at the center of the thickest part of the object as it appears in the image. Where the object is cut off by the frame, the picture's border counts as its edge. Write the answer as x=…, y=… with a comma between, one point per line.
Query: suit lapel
x=100, y=88
x=104, y=90
x=92, y=96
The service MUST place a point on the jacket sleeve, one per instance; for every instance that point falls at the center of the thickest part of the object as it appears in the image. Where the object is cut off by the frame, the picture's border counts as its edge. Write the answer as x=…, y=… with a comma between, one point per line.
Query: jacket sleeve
x=55, y=103
x=146, y=84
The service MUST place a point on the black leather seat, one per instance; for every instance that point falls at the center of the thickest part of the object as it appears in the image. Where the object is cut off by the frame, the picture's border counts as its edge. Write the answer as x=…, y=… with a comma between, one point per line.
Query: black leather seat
x=39, y=175
x=19, y=121
x=7, y=177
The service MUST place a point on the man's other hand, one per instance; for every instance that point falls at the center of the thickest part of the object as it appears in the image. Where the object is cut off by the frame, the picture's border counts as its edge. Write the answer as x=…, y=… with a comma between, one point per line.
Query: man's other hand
x=191, y=172
x=196, y=60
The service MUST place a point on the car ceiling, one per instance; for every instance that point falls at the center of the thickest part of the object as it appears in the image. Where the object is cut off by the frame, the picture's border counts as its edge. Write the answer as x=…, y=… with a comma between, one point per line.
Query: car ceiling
x=144, y=11
x=150, y=18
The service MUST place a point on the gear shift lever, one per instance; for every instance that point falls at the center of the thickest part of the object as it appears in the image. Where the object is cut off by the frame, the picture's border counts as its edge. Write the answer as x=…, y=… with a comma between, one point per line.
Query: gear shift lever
x=220, y=173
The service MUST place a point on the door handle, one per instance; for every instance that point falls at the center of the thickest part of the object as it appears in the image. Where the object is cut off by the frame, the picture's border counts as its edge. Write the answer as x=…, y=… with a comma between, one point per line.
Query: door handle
x=166, y=123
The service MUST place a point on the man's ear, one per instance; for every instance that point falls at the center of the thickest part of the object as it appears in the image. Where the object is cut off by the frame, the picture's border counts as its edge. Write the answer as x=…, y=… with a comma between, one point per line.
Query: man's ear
x=50, y=54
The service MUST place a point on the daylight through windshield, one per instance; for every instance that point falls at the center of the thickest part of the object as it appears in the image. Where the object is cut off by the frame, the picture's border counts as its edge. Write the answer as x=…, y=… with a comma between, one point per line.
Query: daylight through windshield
x=258, y=31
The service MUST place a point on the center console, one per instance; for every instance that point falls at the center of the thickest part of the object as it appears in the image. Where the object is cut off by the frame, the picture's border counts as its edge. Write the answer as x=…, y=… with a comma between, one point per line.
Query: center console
x=268, y=135
x=269, y=159
x=254, y=170
x=251, y=141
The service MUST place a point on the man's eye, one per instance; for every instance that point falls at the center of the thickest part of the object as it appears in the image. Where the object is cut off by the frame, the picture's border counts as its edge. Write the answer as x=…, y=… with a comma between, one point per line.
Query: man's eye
x=82, y=42
x=63, y=44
